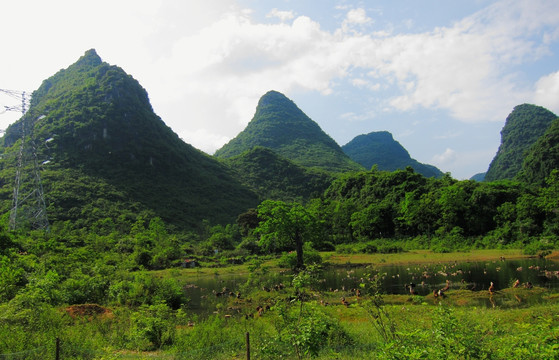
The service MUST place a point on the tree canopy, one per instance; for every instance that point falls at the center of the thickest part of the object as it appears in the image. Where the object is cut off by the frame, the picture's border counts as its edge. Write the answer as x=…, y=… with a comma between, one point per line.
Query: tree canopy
x=286, y=226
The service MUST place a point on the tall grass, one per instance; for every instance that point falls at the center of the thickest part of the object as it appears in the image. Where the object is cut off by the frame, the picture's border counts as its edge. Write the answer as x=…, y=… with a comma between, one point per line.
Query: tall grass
x=299, y=323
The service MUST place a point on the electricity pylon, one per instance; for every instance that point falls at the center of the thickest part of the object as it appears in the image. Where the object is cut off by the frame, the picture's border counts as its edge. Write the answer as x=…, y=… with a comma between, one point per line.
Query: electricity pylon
x=28, y=203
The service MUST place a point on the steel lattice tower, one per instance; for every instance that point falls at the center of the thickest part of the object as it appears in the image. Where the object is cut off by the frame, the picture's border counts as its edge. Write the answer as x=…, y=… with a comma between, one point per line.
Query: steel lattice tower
x=28, y=203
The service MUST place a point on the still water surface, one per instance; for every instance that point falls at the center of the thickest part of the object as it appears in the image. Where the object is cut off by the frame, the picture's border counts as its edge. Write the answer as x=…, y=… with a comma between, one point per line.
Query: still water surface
x=475, y=276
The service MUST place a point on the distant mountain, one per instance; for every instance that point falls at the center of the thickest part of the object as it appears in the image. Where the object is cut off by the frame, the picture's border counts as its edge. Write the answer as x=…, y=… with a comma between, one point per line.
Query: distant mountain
x=542, y=157
x=110, y=156
x=524, y=125
x=379, y=148
x=478, y=177
x=278, y=124
x=277, y=178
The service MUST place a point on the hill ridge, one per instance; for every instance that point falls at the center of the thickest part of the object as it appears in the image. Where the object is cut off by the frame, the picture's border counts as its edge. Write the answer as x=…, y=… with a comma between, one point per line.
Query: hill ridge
x=379, y=148
x=104, y=131
x=523, y=126
x=280, y=125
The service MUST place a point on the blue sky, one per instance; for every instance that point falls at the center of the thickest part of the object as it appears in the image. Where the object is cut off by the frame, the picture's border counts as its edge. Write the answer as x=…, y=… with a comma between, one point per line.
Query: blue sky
x=441, y=76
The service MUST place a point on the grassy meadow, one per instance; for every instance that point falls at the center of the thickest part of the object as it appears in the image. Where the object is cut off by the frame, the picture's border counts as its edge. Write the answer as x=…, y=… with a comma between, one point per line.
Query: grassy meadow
x=296, y=321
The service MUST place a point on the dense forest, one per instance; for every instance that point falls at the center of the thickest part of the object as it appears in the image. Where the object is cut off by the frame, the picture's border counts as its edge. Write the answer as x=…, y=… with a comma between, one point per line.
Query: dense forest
x=130, y=205
x=379, y=148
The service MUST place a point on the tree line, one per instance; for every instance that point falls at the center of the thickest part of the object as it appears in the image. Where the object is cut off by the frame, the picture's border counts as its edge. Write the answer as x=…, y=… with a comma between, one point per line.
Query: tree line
x=403, y=206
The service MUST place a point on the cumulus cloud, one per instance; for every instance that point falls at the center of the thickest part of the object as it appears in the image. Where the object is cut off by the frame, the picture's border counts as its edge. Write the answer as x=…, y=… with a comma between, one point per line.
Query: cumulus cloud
x=446, y=157
x=355, y=21
x=282, y=15
x=204, y=139
x=547, y=92
x=213, y=60
x=237, y=61
x=357, y=16
x=468, y=69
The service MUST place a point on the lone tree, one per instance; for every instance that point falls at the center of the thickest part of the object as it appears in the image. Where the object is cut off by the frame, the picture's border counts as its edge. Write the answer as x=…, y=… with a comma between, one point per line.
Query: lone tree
x=285, y=226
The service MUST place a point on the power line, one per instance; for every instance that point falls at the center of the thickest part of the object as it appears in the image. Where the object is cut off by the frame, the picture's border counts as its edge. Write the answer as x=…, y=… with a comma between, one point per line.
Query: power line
x=28, y=203
x=19, y=95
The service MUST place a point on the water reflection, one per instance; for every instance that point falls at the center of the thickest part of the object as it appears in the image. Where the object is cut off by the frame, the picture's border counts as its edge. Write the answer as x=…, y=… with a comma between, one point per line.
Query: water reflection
x=472, y=276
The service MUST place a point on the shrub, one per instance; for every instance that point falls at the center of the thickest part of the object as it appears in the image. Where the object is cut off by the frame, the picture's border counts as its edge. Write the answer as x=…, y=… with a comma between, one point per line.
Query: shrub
x=310, y=256
x=347, y=249
x=170, y=292
x=153, y=327
x=370, y=248
x=82, y=288
x=539, y=247
x=308, y=330
x=250, y=244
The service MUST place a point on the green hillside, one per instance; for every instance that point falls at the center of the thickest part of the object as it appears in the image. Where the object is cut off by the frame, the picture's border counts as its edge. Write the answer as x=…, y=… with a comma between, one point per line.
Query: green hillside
x=110, y=154
x=277, y=178
x=525, y=124
x=280, y=125
x=478, y=177
x=542, y=158
x=379, y=148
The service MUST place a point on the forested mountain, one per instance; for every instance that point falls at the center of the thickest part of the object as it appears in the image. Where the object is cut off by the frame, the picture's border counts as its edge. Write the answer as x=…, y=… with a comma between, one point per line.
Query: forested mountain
x=478, y=177
x=280, y=125
x=379, y=148
x=108, y=159
x=525, y=124
x=274, y=177
x=110, y=156
x=542, y=158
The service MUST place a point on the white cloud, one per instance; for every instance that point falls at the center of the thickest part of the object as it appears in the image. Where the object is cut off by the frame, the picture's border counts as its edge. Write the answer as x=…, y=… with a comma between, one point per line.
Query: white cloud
x=282, y=15
x=355, y=21
x=547, y=92
x=222, y=70
x=205, y=64
x=445, y=158
x=468, y=69
x=204, y=139
x=357, y=16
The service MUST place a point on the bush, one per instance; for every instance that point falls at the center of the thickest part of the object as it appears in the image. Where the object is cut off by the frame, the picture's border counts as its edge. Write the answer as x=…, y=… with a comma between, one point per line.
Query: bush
x=82, y=288
x=539, y=247
x=347, y=249
x=309, y=330
x=370, y=248
x=144, y=289
x=390, y=249
x=250, y=244
x=170, y=292
x=325, y=246
x=310, y=256
x=153, y=327
x=12, y=278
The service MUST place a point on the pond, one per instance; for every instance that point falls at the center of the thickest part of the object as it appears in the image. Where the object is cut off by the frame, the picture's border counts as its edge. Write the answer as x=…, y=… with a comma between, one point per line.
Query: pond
x=474, y=276
x=206, y=291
